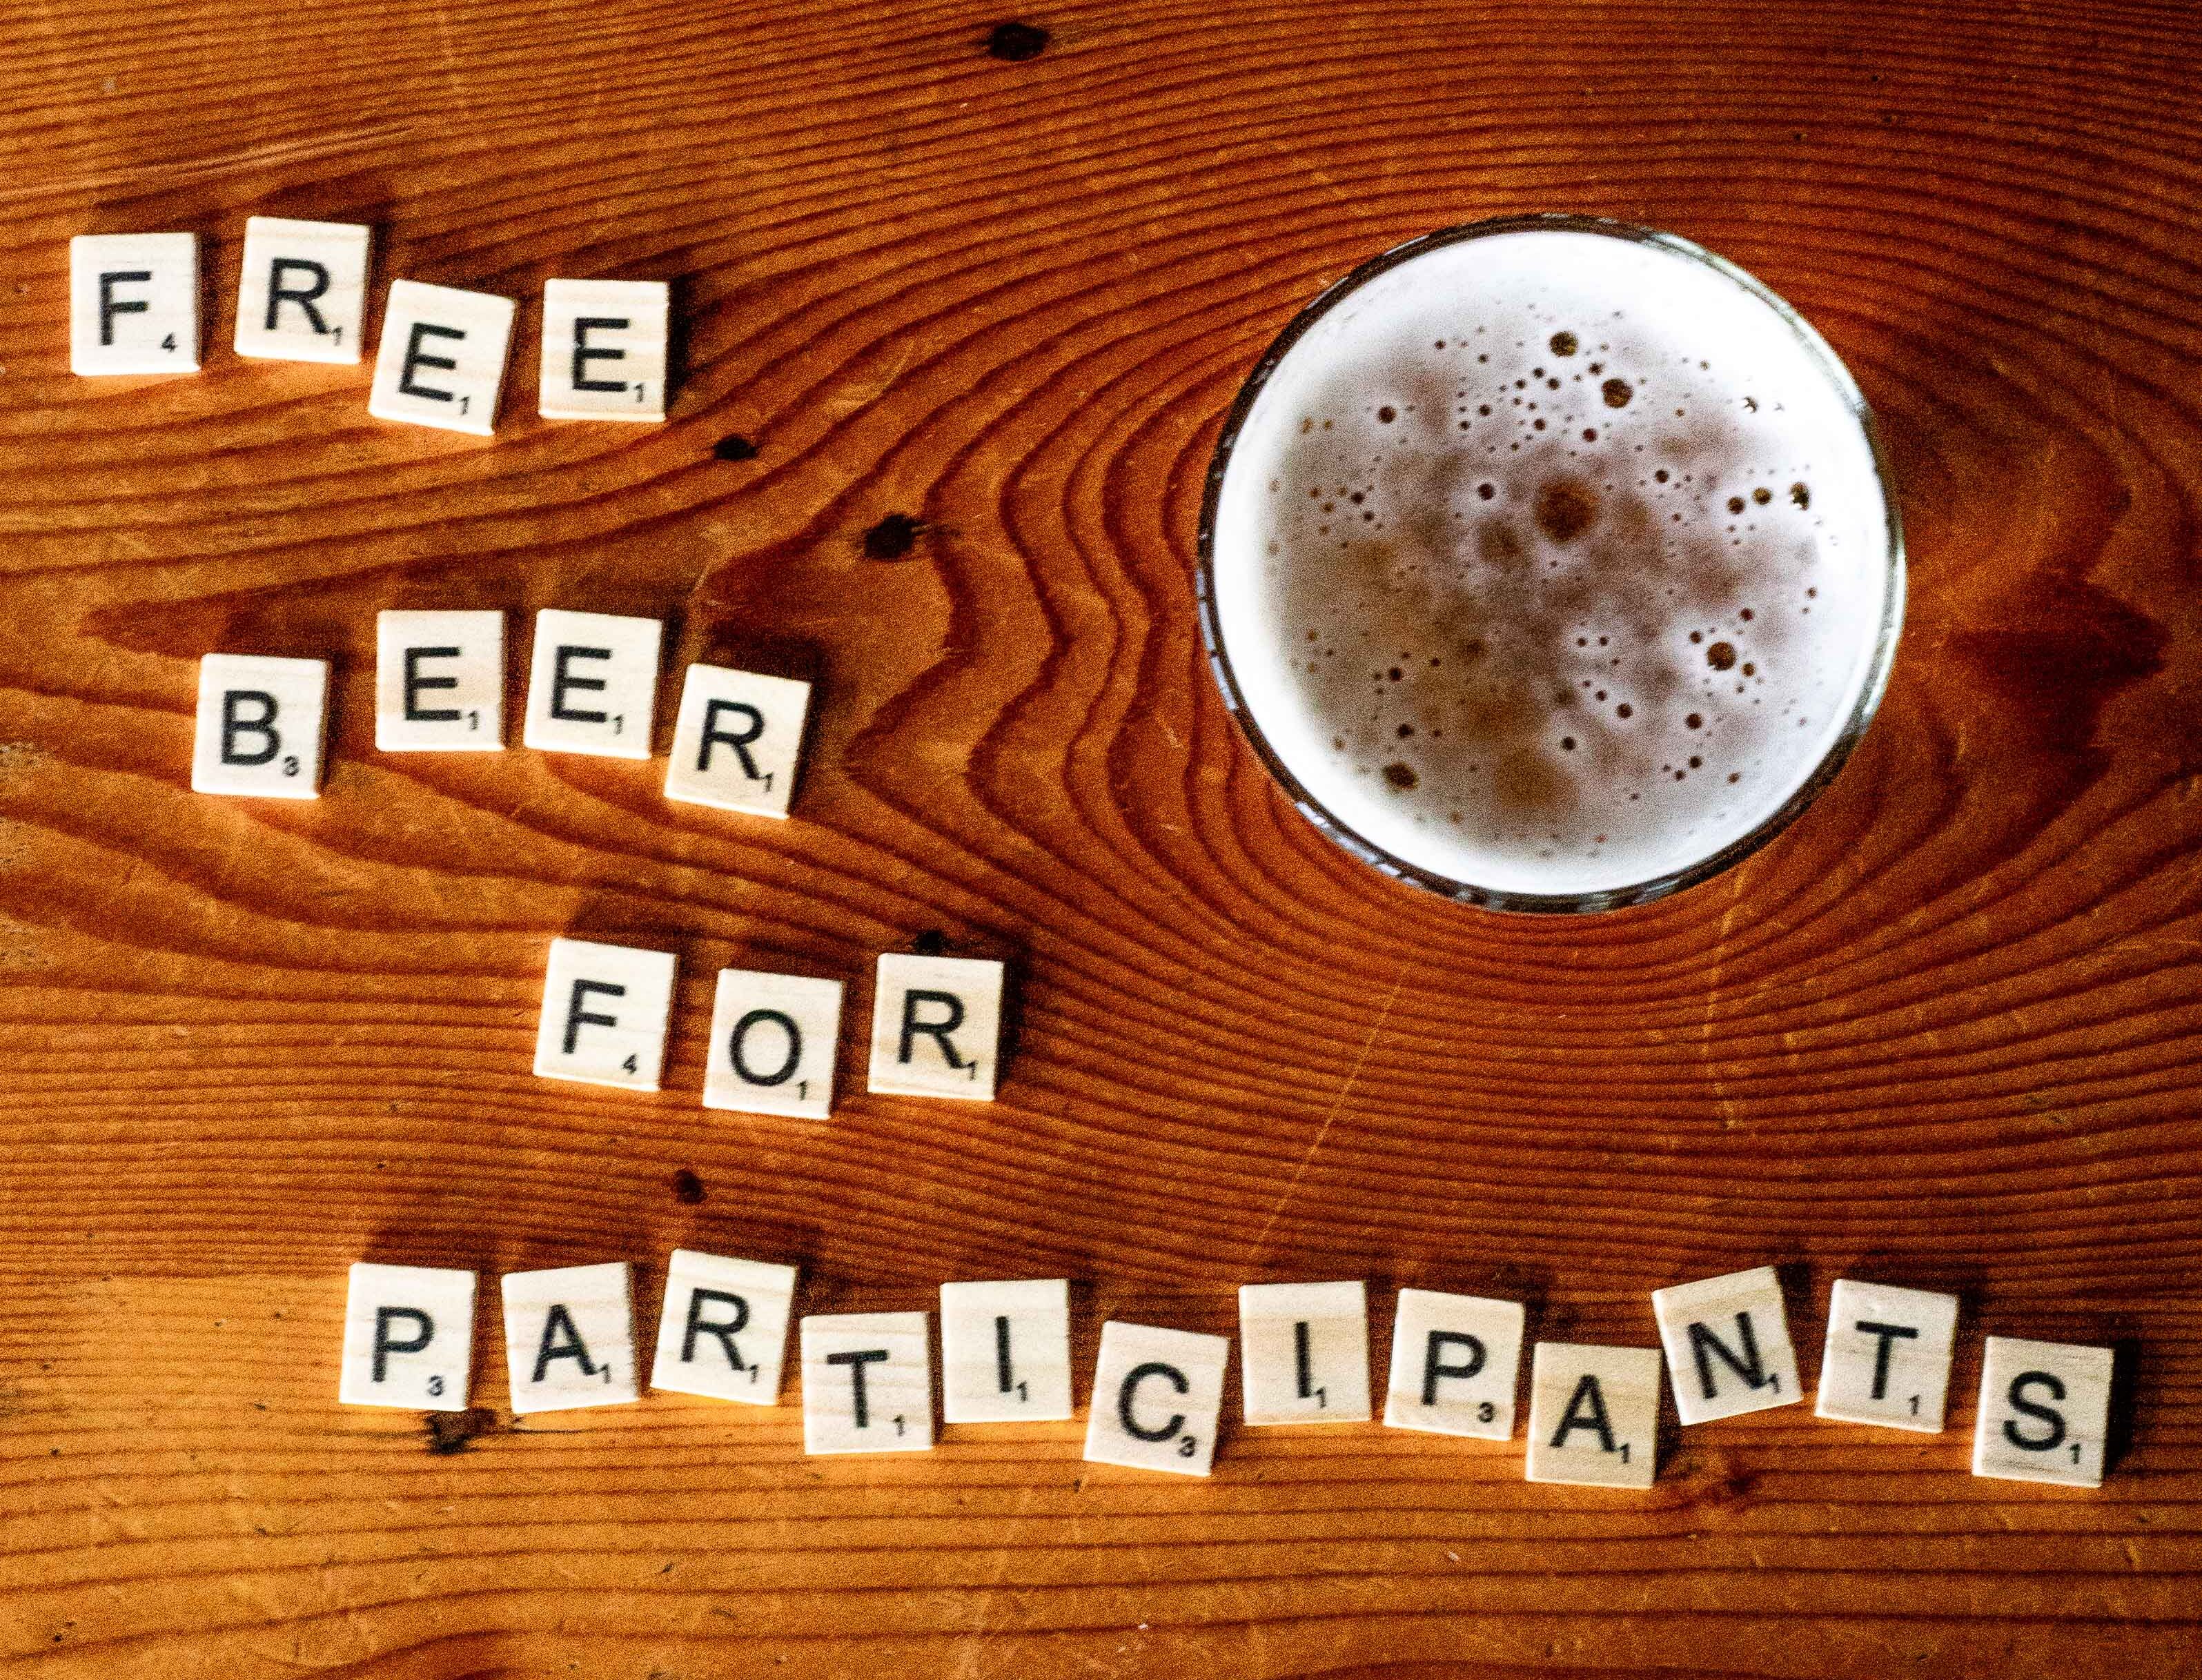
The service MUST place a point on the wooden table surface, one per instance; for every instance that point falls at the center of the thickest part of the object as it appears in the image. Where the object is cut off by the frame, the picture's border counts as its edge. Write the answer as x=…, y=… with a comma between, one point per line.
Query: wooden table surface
x=1944, y=1031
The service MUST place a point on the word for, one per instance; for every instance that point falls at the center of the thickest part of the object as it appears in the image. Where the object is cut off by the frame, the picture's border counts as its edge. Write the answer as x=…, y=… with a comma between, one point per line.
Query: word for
x=592, y=688
x=1004, y=1356
x=302, y=296
x=936, y=1028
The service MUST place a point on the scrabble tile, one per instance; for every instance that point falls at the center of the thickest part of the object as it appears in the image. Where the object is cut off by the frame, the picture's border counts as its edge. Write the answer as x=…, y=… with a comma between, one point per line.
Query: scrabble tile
x=569, y=1338
x=724, y=1330
x=1727, y=1345
x=1304, y=1353
x=592, y=684
x=1455, y=1361
x=735, y=744
x=1593, y=1415
x=773, y=1038
x=1005, y=1351
x=260, y=725
x=1156, y=1396
x=604, y=1012
x=936, y=1026
x=134, y=303
x=1887, y=1359
x=441, y=360
x=604, y=349
x=438, y=682
x=866, y=1383
x=408, y=1337
x=2044, y=1412
x=302, y=290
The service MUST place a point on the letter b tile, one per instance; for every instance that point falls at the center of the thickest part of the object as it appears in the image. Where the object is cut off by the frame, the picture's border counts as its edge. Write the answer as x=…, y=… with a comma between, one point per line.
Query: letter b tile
x=260, y=725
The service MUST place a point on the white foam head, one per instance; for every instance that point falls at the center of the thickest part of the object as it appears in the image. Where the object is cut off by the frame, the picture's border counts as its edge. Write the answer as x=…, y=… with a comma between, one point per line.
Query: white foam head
x=1554, y=562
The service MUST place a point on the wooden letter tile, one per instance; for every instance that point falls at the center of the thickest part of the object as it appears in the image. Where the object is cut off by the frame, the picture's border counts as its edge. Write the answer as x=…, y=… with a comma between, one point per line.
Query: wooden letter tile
x=408, y=1337
x=604, y=349
x=724, y=1329
x=866, y=1383
x=260, y=725
x=1455, y=1361
x=1156, y=1396
x=936, y=1026
x=592, y=684
x=1888, y=1358
x=301, y=291
x=1005, y=1351
x=569, y=1338
x=1593, y=1415
x=1727, y=1345
x=1304, y=1353
x=773, y=1043
x=735, y=744
x=605, y=1008
x=134, y=303
x=441, y=360
x=438, y=682
x=2044, y=1412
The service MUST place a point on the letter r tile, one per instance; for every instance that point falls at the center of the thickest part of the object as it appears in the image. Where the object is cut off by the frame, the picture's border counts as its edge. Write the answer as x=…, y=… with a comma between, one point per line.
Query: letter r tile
x=261, y=723
x=936, y=1026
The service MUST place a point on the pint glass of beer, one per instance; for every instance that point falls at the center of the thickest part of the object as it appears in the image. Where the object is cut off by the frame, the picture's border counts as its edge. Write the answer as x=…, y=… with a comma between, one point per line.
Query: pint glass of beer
x=1551, y=563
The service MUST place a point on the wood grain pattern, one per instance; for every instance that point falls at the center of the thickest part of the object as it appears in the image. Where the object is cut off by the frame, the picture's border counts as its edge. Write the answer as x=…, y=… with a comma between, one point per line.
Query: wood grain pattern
x=1944, y=1032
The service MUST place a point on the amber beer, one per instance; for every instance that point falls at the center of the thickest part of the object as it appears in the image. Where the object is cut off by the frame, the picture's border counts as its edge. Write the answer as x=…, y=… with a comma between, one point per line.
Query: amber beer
x=1551, y=563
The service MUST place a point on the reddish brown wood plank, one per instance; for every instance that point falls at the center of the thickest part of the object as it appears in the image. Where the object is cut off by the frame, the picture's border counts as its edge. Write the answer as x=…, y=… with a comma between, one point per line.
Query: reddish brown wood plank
x=1944, y=1031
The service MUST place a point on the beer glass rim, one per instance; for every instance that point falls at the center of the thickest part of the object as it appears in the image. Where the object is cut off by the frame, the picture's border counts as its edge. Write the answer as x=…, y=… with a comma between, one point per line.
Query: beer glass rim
x=1510, y=899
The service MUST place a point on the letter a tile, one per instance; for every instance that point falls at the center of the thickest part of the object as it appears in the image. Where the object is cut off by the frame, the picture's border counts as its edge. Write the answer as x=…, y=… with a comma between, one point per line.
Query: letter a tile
x=260, y=725
x=569, y=1338
x=1593, y=1415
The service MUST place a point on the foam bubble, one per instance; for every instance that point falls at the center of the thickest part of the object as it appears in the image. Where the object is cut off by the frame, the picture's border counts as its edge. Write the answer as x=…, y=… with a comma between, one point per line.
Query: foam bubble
x=1535, y=662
